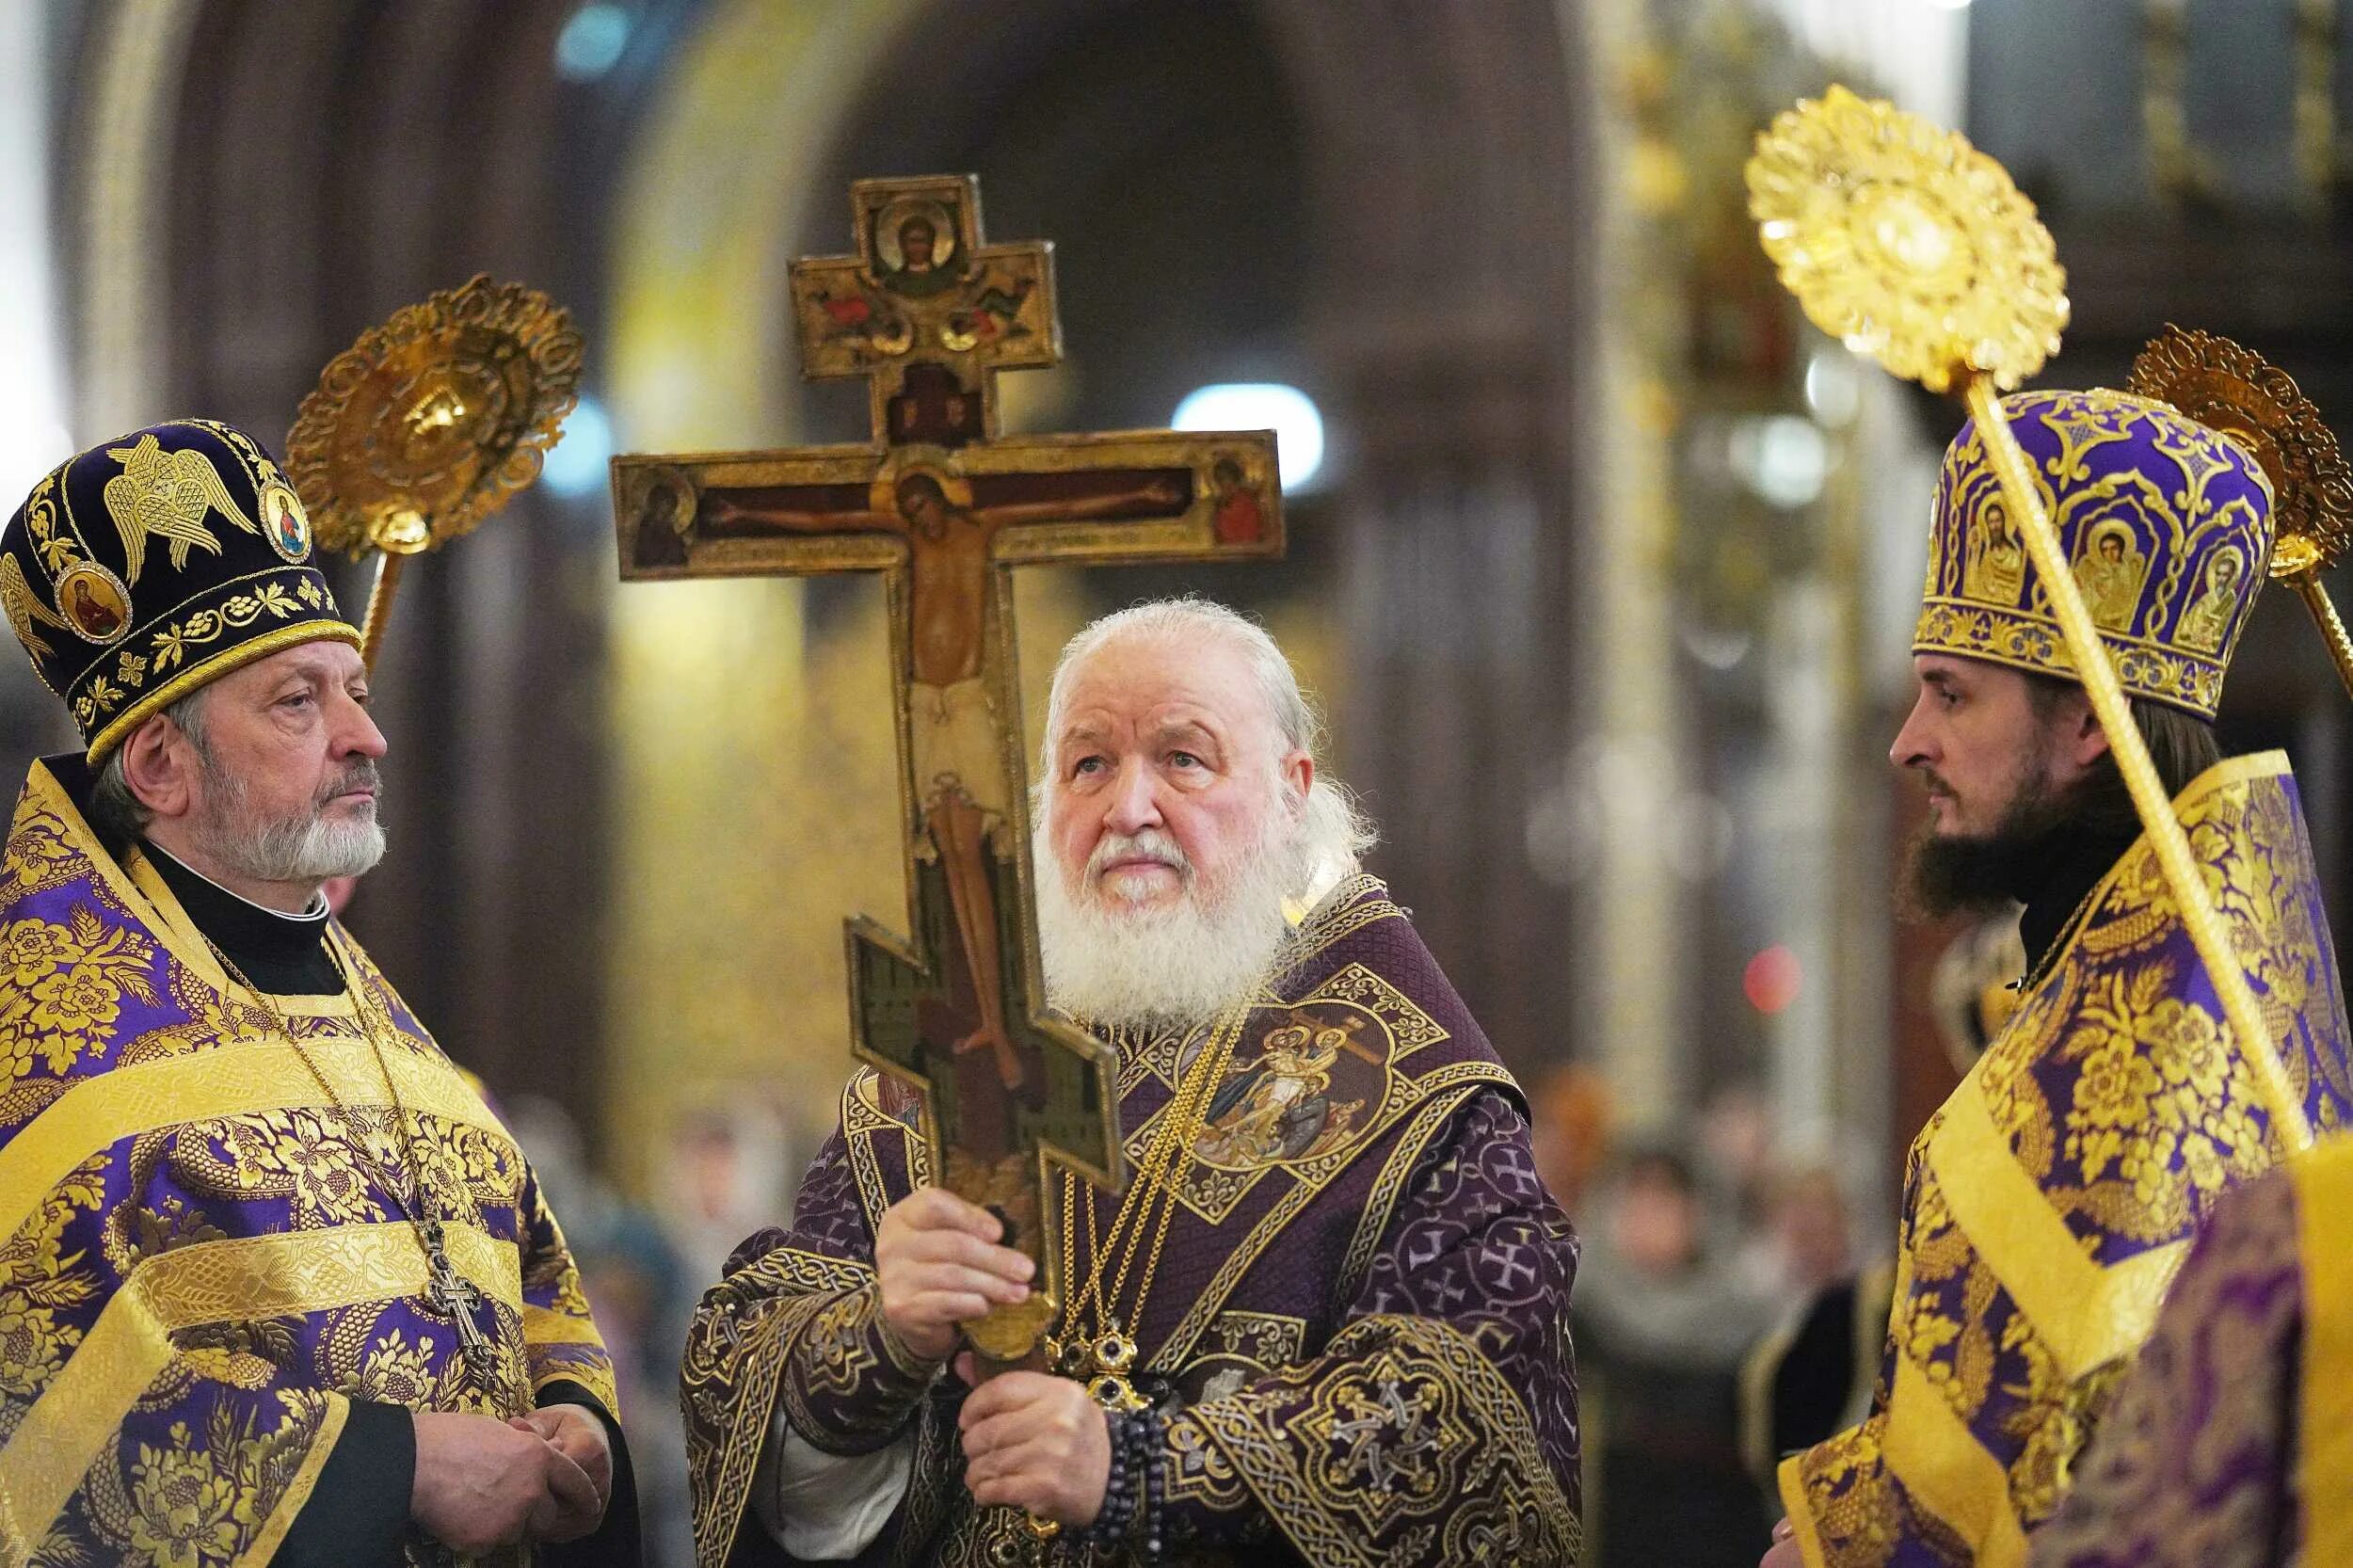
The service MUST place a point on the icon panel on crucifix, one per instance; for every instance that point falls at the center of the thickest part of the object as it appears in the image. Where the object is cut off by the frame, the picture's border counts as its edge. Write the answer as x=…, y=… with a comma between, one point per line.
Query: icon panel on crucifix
x=943, y=508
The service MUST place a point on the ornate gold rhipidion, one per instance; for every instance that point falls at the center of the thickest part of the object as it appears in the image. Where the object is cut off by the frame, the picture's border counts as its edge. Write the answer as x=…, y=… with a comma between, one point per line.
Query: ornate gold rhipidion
x=430, y=422
x=2232, y=389
x=1906, y=243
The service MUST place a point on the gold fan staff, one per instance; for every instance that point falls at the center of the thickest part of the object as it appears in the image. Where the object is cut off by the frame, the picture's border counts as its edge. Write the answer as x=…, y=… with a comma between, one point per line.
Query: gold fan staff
x=380, y=606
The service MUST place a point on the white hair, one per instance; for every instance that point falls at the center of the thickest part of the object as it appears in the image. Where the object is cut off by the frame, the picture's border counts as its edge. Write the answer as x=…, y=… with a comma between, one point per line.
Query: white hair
x=1337, y=831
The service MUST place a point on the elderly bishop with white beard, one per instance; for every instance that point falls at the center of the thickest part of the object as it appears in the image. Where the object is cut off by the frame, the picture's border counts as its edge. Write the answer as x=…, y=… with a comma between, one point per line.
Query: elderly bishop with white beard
x=1328, y=1319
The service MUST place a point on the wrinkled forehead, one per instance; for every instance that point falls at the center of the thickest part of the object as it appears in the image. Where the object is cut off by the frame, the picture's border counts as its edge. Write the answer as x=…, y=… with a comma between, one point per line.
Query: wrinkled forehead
x=325, y=660
x=1150, y=678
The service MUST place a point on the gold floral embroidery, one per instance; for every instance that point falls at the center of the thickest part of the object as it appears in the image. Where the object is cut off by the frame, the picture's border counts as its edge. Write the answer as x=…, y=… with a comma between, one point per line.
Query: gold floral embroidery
x=298, y=1154
x=67, y=984
x=39, y=1282
x=198, y=1499
x=172, y=644
x=189, y=1513
x=38, y=854
x=2162, y=1096
x=397, y=1372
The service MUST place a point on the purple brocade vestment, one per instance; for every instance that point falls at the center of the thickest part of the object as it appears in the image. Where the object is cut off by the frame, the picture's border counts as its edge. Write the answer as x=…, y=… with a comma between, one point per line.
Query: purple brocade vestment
x=201, y=1270
x=1359, y=1316
x=2050, y=1201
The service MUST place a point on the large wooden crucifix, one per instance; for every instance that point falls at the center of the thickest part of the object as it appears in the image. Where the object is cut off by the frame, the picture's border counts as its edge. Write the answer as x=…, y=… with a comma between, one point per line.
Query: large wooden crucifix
x=944, y=508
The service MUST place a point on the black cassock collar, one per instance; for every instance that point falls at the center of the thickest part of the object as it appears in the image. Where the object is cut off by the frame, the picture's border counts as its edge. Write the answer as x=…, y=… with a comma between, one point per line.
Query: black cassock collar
x=284, y=954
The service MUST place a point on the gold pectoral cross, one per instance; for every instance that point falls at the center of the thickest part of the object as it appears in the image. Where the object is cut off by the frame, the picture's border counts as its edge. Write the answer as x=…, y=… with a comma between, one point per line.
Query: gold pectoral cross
x=454, y=1296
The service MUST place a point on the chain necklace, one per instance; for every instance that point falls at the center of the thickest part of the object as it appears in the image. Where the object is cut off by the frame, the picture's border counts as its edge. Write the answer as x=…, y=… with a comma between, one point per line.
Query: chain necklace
x=449, y=1293
x=2032, y=980
x=1105, y=1358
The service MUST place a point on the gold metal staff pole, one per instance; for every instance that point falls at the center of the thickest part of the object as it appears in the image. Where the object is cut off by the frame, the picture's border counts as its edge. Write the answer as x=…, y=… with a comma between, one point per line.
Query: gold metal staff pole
x=1910, y=245
x=2225, y=386
x=431, y=422
x=379, y=605
x=2306, y=581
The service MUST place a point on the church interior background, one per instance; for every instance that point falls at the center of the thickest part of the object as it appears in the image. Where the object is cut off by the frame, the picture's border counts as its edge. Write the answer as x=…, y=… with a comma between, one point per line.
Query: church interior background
x=1605, y=577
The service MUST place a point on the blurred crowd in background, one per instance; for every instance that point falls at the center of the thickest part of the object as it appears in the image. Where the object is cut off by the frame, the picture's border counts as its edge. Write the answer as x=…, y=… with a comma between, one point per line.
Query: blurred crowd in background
x=1703, y=1258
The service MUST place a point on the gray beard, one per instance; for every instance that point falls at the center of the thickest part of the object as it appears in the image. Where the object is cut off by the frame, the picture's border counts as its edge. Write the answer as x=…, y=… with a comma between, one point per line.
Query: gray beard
x=305, y=848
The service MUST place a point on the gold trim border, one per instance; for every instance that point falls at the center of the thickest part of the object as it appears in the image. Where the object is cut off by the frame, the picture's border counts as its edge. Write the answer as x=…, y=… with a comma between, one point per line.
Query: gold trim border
x=208, y=1085
x=129, y=1346
x=1948, y=1473
x=272, y=1534
x=1938, y=611
x=2193, y=808
x=2087, y=1313
x=547, y=1326
x=2323, y=1196
x=1790, y=1480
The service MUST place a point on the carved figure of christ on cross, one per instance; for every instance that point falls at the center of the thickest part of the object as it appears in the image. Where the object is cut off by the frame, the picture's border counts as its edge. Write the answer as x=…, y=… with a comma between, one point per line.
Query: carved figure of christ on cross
x=956, y=1011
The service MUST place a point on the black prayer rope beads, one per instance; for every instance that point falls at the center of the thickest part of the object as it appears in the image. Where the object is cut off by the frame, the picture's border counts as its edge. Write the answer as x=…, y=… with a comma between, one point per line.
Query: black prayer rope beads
x=1137, y=1482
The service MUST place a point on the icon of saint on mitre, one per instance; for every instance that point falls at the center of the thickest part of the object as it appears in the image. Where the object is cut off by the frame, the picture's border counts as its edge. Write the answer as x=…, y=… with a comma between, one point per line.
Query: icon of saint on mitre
x=2206, y=622
x=916, y=252
x=285, y=524
x=1997, y=569
x=2111, y=572
x=92, y=599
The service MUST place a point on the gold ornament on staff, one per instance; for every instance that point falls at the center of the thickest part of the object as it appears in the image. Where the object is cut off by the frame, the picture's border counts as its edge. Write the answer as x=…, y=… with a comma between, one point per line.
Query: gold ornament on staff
x=431, y=422
x=2232, y=389
x=1910, y=245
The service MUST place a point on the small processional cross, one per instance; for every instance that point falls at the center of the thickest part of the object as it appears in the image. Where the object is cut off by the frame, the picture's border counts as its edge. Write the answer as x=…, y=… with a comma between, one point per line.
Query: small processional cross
x=944, y=508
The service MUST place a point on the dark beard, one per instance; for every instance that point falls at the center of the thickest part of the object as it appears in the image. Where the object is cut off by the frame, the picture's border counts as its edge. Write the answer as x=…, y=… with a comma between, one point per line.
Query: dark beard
x=1955, y=875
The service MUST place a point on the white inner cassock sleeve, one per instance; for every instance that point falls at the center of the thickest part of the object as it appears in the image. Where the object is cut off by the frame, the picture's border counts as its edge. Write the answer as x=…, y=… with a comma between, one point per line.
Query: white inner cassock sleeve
x=827, y=1508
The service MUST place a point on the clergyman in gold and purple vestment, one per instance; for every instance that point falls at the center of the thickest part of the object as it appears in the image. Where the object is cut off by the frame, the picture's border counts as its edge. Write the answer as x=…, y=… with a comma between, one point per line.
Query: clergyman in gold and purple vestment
x=2230, y=1445
x=2050, y=1201
x=1335, y=1293
x=276, y=1285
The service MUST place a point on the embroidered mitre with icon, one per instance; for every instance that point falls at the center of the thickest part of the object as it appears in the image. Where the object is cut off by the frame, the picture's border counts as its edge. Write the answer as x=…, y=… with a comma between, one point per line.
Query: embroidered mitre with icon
x=2165, y=524
x=154, y=563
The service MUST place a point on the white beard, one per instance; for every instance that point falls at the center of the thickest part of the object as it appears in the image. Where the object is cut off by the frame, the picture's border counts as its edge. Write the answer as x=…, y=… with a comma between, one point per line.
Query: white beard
x=1112, y=961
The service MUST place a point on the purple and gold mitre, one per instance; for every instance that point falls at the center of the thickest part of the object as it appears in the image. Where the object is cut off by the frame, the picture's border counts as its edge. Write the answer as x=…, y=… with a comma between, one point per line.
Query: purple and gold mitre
x=154, y=563
x=2166, y=524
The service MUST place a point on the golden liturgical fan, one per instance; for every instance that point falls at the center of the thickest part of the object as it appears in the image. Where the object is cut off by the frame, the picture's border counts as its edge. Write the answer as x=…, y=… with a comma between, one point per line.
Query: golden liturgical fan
x=431, y=422
x=2236, y=391
x=1911, y=245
